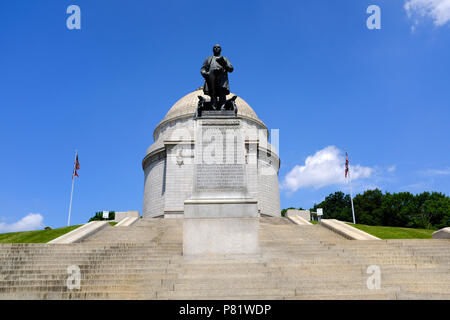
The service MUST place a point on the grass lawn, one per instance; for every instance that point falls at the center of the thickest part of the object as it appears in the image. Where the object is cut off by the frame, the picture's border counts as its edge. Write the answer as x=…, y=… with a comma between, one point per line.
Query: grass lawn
x=113, y=223
x=395, y=232
x=314, y=222
x=40, y=236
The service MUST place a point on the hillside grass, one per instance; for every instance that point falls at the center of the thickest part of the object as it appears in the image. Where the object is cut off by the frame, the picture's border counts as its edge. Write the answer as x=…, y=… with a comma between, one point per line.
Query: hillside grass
x=40, y=236
x=394, y=232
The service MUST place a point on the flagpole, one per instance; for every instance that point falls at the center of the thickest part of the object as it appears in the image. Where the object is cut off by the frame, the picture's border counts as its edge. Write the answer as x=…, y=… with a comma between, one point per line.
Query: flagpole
x=347, y=171
x=351, y=196
x=73, y=181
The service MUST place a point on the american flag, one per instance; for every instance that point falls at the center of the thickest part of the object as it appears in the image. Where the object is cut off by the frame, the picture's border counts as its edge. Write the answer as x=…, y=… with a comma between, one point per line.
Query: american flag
x=346, y=164
x=77, y=167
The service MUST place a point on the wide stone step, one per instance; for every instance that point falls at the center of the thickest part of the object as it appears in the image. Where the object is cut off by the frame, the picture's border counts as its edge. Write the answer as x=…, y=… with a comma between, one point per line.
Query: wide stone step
x=217, y=290
x=63, y=251
x=435, y=280
x=411, y=295
x=273, y=256
x=304, y=275
x=330, y=269
x=142, y=253
x=124, y=260
x=344, y=296
x=216, y=293
x=125, y=274
x=84, y=282
x=84, y=269
x=124, y=295
x=63, y=288
x=136, y=253
x=280, y=283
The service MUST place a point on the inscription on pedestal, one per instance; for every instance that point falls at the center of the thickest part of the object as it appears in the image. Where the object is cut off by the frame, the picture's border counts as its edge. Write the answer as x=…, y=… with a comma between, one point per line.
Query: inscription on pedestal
x=218, y=114
x=220, y=157
x=213, y=177
x=220, y=177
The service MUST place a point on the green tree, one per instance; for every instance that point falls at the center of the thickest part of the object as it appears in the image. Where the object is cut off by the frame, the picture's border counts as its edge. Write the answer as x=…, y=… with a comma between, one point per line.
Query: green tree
x=426, y=210
x=433, y=210
x=398, y=209
x=368, y=207
x=336, y=206
x=99, y=216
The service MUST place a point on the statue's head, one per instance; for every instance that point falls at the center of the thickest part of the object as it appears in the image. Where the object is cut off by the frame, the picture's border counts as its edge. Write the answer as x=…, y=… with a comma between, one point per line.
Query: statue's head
x=217, y=49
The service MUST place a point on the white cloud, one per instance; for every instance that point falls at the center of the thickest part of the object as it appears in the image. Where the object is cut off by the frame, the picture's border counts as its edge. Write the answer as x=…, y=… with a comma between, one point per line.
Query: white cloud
x=438, y=10
x=436, y=172
x=30, y=222
x=325, y=167
x=392, y=168
x=414, y=187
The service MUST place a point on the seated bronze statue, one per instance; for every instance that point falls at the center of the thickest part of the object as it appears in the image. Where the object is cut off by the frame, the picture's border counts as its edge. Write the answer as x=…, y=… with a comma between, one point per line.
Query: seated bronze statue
x=215, y=71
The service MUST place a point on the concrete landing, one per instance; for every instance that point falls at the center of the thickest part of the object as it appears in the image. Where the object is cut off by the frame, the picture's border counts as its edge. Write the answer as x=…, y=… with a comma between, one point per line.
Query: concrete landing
x=220, y=236
x=442, y=234
x=297, y=219
x=128, y=221
x=346, y=230
x=81, y=233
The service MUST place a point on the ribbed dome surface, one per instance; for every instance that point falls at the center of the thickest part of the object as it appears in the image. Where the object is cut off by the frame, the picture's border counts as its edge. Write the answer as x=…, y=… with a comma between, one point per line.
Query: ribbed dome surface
x=188, y=105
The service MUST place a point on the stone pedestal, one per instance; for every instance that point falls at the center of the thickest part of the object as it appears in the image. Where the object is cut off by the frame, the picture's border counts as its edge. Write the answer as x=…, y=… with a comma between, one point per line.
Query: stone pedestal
x=220, y=236
x=220, y=208
x=220, y=177
x=221, y=217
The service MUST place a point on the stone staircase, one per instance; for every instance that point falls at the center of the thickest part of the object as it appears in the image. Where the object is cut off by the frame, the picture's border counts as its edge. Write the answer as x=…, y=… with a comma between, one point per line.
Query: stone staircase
x=145, y=261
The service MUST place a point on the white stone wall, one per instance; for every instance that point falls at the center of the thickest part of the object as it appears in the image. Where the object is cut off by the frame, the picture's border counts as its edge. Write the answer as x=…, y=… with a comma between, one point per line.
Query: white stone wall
x=305, y=214
x=252, y=169
x=154, y=188
x=168, y=183
x=179, y=177
x=174, y=130
x=268, y=188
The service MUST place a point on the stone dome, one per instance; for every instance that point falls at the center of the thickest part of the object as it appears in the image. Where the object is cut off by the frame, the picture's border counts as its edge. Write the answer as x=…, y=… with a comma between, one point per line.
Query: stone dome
x=187, y=106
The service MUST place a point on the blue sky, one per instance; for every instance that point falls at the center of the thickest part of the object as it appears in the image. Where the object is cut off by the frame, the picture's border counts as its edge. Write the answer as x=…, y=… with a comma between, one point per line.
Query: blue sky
x=311, y=69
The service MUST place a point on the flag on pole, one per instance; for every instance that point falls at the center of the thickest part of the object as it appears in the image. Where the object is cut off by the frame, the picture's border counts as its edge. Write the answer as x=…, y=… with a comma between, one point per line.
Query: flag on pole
x=76, y=167
x=346, y=164
x=347, y=173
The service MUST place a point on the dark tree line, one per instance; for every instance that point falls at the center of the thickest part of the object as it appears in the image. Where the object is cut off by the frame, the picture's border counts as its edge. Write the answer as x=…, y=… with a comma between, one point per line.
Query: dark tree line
x=404, y=209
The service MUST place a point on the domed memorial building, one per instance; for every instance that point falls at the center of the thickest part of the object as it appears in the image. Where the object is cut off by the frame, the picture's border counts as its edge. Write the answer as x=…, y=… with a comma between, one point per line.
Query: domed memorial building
x=211, y=158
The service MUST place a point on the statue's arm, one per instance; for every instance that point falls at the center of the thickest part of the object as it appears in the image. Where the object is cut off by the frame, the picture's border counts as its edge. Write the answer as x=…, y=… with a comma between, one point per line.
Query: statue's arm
x=205, y=67
x=228, y=66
